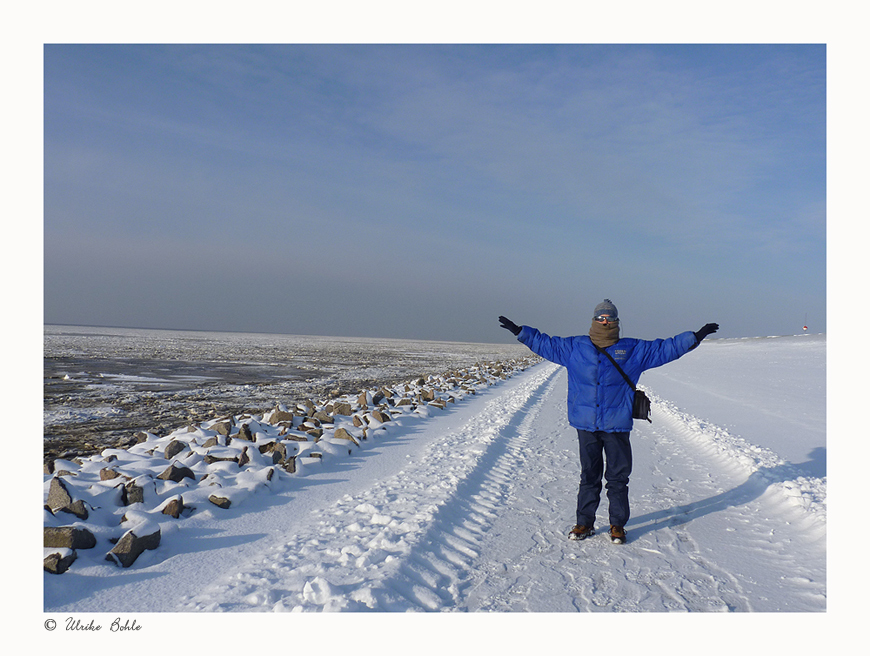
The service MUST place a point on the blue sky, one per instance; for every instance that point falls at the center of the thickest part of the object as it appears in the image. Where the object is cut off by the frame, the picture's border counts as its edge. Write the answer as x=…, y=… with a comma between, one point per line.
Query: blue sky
x=420, y=191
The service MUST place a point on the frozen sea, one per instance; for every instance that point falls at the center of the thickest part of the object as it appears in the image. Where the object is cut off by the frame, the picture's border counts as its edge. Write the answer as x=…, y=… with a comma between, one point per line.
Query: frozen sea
x=102, y=385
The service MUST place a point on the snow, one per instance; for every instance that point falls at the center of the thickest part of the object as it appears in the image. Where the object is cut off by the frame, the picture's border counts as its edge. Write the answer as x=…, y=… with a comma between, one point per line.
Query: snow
x=467, y=509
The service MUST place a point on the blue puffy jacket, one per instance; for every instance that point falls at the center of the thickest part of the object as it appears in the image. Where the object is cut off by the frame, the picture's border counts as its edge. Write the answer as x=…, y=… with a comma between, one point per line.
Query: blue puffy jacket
x=599, y=399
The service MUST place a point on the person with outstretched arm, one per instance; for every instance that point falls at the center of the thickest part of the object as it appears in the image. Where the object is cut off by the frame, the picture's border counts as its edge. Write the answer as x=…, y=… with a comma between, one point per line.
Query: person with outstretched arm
x=600, y=403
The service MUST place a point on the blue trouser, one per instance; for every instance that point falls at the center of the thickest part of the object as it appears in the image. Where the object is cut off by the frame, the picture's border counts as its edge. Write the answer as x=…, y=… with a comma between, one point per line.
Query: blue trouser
x=595, y=449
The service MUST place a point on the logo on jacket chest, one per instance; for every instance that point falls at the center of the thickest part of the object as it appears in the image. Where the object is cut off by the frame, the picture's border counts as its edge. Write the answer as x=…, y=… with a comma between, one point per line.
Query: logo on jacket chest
x=620, y=354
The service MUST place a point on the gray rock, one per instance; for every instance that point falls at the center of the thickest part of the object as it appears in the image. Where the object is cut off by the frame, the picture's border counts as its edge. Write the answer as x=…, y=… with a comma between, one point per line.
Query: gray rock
x=223, y=428
x=344, y=409
x=77, y=508
x=60, y=500
x=268, y=447
x=343, y=434
x=380, y=416
x=68, y=537
x=133, y=493
x=279, y=454
x=278, y=451
x=57, y=564
x=176, y=474
x=131, y=546
x=175, y=507
x=58, y=495
x=323, y=417
x=174, y=448
x=209, y=459
x=220, y=502
x=107, y=474
x=280, y=415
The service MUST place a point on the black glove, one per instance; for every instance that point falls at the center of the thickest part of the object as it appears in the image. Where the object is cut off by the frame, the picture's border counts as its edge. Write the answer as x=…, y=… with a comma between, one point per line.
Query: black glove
x=510, y=325
x=709, y=329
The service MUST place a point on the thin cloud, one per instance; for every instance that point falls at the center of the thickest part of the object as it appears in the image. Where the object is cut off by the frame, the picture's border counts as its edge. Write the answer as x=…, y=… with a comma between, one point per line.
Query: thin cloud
x=542, y=162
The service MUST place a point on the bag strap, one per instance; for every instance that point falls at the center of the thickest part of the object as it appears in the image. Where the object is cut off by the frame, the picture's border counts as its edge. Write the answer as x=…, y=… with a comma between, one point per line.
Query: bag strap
x=618, y=368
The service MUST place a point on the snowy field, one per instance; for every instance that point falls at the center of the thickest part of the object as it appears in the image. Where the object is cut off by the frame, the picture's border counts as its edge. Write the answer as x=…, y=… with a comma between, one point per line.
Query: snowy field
x=467, y=509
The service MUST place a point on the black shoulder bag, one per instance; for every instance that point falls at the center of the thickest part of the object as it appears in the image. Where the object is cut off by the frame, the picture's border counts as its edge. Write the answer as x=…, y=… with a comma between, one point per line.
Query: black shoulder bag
x=640, y=408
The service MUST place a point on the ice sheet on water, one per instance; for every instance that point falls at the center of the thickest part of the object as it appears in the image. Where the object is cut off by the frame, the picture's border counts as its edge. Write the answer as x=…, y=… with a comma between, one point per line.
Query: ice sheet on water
x=123, y=380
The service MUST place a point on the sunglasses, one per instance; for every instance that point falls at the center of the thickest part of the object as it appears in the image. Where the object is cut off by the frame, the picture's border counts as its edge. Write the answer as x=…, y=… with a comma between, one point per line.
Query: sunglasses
x=603, y=318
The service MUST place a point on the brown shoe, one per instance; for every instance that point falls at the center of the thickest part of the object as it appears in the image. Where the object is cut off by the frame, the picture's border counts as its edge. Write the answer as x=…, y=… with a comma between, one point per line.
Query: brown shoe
x=617, y=534
x=581, y=532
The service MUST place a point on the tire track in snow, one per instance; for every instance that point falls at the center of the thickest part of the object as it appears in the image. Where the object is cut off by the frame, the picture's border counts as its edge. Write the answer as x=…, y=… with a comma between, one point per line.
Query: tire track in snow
x=456, y=537
x=407, y=542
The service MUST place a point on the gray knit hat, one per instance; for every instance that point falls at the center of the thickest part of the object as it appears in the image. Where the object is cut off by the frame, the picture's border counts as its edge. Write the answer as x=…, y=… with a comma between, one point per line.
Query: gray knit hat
x=606, y=307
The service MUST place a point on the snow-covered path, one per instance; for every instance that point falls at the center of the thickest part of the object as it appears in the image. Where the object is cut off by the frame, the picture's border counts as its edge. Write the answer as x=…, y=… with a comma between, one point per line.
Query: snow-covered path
x=469, y=509
x=704, y=536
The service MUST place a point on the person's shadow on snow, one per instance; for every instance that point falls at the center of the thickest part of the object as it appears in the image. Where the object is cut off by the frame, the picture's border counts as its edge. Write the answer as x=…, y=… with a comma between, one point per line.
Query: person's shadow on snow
x=751, y=489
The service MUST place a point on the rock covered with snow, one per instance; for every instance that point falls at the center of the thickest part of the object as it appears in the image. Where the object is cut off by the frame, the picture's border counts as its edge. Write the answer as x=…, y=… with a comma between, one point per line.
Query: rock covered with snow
x=68, y=537
x=143, y=534
x=57, y=562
